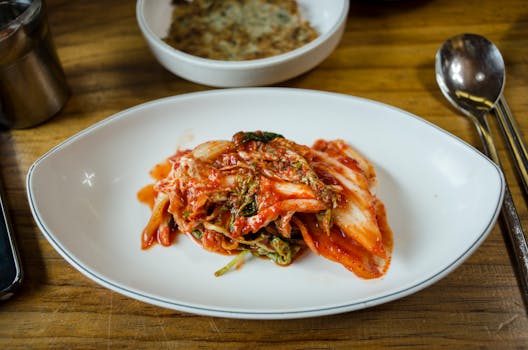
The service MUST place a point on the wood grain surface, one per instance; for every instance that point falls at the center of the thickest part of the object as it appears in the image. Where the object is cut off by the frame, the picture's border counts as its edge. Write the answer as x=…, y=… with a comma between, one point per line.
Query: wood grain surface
x=386, y=54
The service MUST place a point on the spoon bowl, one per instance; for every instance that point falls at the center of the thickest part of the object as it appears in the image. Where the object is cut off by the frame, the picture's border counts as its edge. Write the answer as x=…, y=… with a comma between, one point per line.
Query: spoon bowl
x=470, y=72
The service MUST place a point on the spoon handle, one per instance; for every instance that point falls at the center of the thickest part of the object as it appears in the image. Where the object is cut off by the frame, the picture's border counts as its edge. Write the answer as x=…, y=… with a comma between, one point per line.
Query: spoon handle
x=512, y=134
x=509, y=214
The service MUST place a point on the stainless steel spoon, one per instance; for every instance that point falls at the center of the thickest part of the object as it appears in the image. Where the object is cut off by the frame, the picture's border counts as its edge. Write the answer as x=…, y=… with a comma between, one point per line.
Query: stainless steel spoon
x=482, y=47
x=470, y=74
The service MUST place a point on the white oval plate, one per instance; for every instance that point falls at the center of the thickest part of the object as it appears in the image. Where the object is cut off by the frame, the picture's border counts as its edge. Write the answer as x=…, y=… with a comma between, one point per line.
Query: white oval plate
x=442, y=199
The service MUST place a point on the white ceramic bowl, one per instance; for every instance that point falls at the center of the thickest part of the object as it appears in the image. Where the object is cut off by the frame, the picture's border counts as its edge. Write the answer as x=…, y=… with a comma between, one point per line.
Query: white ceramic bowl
x=328, y=17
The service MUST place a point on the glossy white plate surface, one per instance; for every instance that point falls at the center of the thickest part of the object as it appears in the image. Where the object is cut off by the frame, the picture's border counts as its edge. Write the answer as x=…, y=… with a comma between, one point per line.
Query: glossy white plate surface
x=441, y=195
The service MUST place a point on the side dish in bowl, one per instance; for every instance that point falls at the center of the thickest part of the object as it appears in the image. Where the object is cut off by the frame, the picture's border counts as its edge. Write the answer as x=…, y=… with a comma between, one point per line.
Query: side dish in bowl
x=272, y=197
x=233, y=30
x=241, y=43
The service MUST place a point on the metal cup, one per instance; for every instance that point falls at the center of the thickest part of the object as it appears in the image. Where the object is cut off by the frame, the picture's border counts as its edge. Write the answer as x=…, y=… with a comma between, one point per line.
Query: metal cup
x=33, y=86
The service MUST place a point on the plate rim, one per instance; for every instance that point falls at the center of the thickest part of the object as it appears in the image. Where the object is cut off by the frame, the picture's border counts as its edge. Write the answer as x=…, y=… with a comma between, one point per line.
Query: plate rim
x=250, y=314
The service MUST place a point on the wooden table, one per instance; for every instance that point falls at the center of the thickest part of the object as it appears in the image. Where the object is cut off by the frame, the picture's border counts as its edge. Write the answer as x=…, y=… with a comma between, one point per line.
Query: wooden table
x=386, y=54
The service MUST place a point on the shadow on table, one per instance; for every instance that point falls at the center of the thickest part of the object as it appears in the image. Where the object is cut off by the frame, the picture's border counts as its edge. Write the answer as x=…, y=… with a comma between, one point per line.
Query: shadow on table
x=375, y=8
x=512, y=54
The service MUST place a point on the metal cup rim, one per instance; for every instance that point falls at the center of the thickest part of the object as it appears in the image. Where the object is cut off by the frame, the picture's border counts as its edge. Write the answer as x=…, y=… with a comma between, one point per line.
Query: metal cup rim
x=23, y=18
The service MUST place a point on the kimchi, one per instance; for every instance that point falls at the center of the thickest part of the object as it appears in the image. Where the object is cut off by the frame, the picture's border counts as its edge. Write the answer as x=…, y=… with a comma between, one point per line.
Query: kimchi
x=268, y=196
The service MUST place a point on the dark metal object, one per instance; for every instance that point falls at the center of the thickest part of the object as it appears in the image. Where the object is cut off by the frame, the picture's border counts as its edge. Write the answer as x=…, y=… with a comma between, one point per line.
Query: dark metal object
x=10, y=266
x=32, y=83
